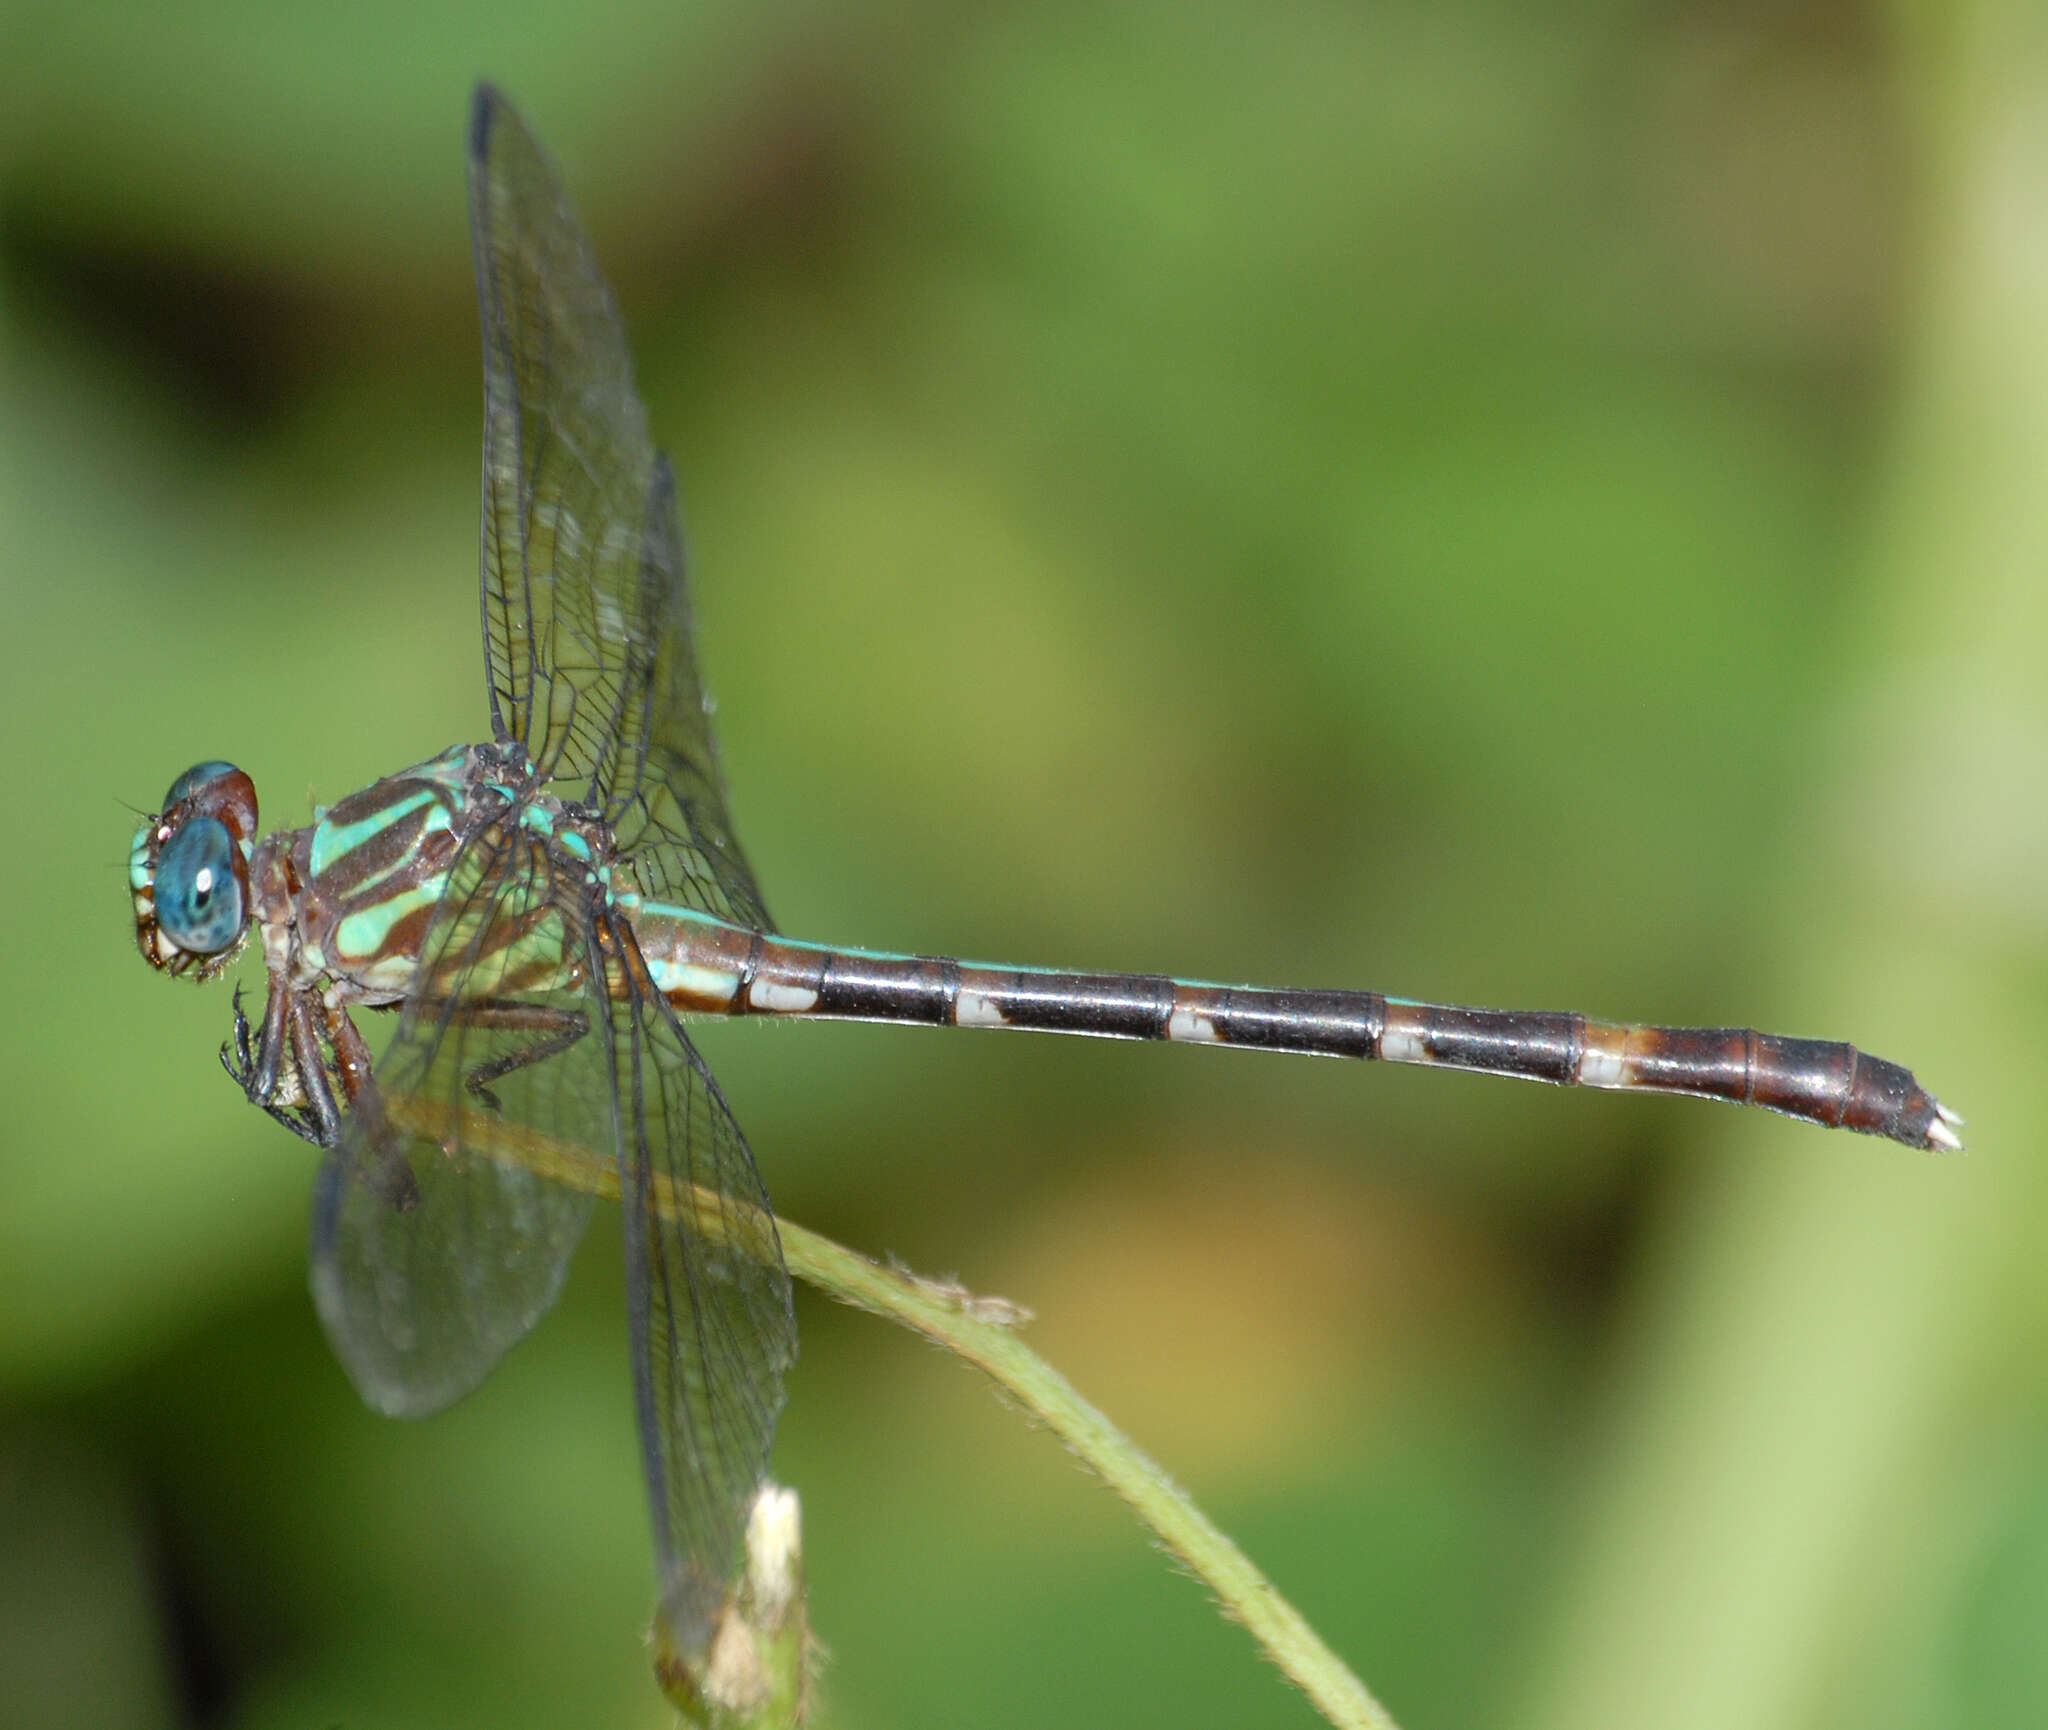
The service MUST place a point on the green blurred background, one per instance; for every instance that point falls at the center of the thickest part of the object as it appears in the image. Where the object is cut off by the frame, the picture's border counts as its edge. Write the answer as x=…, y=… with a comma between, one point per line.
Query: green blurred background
x=1524, y=504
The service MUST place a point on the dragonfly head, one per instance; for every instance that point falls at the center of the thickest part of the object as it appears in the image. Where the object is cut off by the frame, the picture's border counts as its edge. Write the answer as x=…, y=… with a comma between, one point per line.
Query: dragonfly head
x=189, y=872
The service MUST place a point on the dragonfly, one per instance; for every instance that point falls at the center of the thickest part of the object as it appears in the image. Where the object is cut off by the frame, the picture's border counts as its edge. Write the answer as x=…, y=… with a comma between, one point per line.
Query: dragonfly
x=540, y=910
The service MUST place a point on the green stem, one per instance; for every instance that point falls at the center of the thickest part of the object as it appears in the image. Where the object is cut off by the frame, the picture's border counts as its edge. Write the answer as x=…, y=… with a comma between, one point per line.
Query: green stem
x=983, y=1331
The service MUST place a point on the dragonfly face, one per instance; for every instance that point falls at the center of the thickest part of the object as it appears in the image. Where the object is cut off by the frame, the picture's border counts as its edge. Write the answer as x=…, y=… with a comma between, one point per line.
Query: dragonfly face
x=189, y=872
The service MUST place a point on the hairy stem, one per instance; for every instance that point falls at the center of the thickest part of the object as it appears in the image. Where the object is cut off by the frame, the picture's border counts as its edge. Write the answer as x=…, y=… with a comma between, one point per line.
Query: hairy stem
x=984, y=1332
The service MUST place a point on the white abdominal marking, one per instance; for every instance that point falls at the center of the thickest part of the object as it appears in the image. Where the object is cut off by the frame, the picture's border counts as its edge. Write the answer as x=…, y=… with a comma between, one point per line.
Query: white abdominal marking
x=976, y=1009
x=1598, y=1068
x=773, y=999
x=1404, y=1045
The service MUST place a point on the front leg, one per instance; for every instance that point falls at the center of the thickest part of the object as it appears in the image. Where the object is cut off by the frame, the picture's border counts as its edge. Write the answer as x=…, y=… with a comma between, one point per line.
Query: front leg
x=272, y=1070
x=291, y=1069
x=384, y=1166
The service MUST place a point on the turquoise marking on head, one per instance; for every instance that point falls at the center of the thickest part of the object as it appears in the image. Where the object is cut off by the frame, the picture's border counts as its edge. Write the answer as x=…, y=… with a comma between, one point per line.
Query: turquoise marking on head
x=138, y=860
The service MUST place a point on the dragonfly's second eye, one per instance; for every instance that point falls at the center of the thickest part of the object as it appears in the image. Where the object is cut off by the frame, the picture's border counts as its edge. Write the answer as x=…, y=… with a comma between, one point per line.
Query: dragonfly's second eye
x=200, y=903
x=194, y=778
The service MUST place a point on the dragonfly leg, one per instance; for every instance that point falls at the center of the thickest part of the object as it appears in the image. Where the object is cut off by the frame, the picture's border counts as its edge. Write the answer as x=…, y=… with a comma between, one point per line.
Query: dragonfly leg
x=553, y=1032
x=383, y=1165
x=311, y=1065
x=258, y=1068
x=352, y=1061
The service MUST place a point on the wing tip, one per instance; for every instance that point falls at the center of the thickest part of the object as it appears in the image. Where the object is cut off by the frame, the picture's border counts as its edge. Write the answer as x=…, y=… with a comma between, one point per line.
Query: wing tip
x=485, y=101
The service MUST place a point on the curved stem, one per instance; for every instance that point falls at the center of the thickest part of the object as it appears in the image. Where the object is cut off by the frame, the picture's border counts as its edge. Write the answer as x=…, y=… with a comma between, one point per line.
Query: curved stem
x=983, y=1331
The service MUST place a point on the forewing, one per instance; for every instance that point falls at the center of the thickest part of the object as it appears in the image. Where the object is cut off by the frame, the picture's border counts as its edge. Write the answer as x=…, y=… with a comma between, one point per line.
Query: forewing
x=669, y=816
x=442, y=1224
x=587, y=627
x=708, y=1307
x=534, y=1064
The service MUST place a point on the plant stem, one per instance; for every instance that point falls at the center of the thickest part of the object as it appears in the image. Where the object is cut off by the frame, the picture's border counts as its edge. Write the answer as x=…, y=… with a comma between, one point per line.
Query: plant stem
x=983, y=1331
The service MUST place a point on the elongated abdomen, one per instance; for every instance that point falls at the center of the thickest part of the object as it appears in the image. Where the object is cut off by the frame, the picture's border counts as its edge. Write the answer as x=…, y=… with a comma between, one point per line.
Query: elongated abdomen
x=707, y=966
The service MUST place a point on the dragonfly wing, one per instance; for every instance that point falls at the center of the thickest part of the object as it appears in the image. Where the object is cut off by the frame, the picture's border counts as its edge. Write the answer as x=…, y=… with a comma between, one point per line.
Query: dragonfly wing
x=535, y=1064
x=669, y=817
x=442, y=1228
x=421, y=1299
x=587, y=629
x=709, y=1319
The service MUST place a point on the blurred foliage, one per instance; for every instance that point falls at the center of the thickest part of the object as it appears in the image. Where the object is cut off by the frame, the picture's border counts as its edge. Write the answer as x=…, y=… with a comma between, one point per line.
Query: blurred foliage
x=1509, y=504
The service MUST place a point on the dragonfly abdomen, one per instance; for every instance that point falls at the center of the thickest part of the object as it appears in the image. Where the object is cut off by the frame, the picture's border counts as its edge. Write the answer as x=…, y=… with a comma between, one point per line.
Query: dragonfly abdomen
x=705, y=965
x=1818, y=1080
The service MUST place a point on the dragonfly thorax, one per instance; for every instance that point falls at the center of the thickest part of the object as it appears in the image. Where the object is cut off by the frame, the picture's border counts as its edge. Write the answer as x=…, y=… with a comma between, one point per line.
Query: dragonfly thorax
x=347, y=903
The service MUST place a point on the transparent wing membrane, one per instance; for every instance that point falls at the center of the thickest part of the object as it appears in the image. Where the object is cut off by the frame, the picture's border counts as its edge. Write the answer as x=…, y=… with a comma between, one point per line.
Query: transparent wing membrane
x=439, y=1238
x=708, y=1303
x=587, y=625
x=669, y=818
x=535, y=1065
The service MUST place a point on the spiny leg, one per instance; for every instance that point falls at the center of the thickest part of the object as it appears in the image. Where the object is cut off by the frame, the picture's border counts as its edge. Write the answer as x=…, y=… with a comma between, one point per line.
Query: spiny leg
x=352, y=1062
x=554, y=1030
x=381, y=1153
x=387, y=1170
x=257, y=1068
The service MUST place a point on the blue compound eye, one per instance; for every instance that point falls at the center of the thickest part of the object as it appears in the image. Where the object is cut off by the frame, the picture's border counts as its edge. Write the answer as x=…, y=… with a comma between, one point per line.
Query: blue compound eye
x=200, y=905
x=194, y=778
